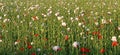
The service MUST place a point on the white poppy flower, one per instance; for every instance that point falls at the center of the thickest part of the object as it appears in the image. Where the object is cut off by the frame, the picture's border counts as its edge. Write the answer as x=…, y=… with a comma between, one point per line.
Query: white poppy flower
x=0, y=17
x=96, y=23
x=56, y=48
x=118, y=27
x=79, y=24
x=63, y=24
x=68, y=29
x=16, y=43
x=56, y=14
x=38, y=49
x=0, y=40
x=31, y=43
x=109, y=13
x=59, y=17
x=76, y=44
x=91, y=38
x=114, y=38
x=6, y=20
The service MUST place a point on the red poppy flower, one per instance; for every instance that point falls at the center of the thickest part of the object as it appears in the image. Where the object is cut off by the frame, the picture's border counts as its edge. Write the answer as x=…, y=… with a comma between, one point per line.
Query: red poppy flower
x=102, y=50
x=84, y=50
x=99, y=36
x=114, y=43
x=95, y=33
x=66, y=37
x=33, y=54
x=36, y=35
x=21, y=49
x=29, y=46
x=45, y=39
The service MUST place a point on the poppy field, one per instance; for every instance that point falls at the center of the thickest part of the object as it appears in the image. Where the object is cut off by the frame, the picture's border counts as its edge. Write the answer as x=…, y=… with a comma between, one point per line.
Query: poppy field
x=59, y=27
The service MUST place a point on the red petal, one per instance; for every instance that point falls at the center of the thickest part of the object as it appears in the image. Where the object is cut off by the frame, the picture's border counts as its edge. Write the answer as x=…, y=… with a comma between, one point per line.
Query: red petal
x=84, y=50
x=66, y=37
x=114, y=43
x=36, y=35
x=102, y=50
x=99, y=36
x=22, y=49
x=33, y=54
x=29, y=46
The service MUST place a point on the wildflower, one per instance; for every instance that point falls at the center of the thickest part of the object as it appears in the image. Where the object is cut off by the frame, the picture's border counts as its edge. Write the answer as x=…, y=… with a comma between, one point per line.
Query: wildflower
x=66, y=37
x=1, y=4
x=56, y=14
x=96, y=23
x=56, y=48
x=35, y=18
x=33, y=7
x=33, y=53
x=63, y=24
x=5, y=15
x=36, y=35
x=91, y=38
x=110, y=20
x=102, y=50
x=21, y=49
x=71, y=18
x=82, y=14
x=0, y=17
x=95, y=33
x=76, y=10
x=114, y=38
x=60, y=17
x=44, y=15
x=109, y=13
x=16, y=42
x=0, y=40
x=79, y=24
x=48, y=14
x=6, y=20
x=99, y=36
x=81, y=33
x=68, y=29
x=38, y=49
x=114, y=43
x=29, y=46
x=45, y=39
x=104, y=21
x=119, y=36
x=87, y=29
x=114, y=11
x=31, y=43
x=76, y=44
x=119, y=28
x=84, y=50
x=96, y=13
x=18, y=16
x=104, y=3
x=77, y=19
